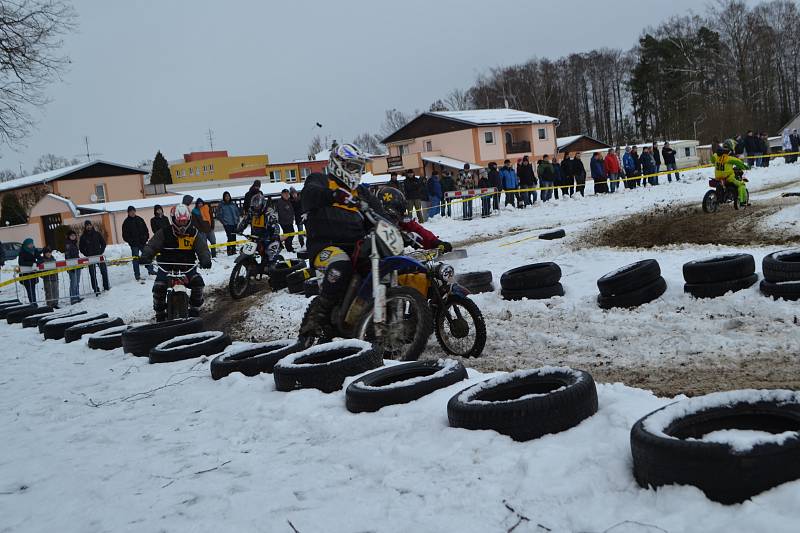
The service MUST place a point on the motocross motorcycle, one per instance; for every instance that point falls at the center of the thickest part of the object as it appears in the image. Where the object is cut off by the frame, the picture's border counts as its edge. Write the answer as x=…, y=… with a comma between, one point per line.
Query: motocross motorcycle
x=457, y=321
x=253, y=261
x=396, y=319
x=722, y=193
x=177, y=289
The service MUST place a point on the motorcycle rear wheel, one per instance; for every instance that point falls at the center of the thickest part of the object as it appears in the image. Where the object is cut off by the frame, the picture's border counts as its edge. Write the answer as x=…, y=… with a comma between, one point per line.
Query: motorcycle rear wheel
x=710, y=203
x=460, y=328
x=407, y=335
x=177, y=305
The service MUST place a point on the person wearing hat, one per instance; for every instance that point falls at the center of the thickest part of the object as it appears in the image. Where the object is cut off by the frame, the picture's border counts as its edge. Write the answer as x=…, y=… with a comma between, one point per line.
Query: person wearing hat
x=286, y=217
x=71, y=252
x=134, y=232
x=29, y=256
x=228, y=213
x=203, y=220
x=297, y=206
x=92, y=244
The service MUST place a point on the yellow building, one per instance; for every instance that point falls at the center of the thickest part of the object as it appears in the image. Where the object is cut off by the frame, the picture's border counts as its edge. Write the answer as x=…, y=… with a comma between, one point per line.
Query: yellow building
x=212, y=166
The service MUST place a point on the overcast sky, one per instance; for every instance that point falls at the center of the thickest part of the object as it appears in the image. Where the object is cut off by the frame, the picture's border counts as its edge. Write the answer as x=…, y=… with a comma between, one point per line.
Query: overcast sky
x=157, y=74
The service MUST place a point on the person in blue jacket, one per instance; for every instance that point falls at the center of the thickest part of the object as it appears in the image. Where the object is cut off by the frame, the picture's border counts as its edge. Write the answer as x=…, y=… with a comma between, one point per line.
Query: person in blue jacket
x=629, y=165
x=508, y=177
x=599, y=175
x=435, y=194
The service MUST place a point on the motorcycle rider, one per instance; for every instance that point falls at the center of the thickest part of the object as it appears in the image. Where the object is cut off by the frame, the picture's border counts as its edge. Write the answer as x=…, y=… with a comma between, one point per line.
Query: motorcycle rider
x=263, y=222
x=725, y=166
x=178, y=245
x=335, y=226
x=394, y=205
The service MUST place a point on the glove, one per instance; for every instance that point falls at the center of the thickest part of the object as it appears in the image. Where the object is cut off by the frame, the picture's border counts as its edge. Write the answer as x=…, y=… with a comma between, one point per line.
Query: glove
x=341, y=196
x=445, y=246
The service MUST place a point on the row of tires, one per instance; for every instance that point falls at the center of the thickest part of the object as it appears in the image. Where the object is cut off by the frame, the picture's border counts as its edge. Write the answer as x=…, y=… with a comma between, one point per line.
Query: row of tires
x=641, y=282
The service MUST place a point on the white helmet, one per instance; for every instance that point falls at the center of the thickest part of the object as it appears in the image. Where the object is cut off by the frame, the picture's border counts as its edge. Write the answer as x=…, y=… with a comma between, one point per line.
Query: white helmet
x=347, y=163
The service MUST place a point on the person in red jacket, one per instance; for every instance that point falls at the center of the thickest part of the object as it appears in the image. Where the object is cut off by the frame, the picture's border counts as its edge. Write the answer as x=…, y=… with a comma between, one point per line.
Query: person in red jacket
x=394, y=204
x=612, y=168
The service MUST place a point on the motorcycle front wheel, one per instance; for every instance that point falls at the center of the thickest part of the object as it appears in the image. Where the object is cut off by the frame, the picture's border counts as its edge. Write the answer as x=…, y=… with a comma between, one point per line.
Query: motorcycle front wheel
x=239, y=281
x=710, y=203
x=460, y=328
x=409, y=324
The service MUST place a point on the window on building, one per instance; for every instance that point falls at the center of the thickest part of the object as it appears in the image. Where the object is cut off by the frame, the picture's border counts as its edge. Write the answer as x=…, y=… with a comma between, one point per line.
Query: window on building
x=291, y=175
x=100, y=192
x=488, y=137
x=403, y=149
x=177, y=173
x=205, y=169
x=429, y=146
x=687, y=151
x=274, y=176
x=542, y=133
x=211, y=168
x=197, y=171
x=306, y=172
x=191, y=171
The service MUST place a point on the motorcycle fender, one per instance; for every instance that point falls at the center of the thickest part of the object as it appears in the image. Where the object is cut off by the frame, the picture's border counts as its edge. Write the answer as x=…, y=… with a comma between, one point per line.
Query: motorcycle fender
x=180, y=288
x=244, y=258
x=458, y=290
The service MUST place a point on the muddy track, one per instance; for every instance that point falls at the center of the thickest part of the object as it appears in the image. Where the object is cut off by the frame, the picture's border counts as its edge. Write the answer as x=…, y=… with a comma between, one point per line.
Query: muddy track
x=223, y=313
x=674, y=224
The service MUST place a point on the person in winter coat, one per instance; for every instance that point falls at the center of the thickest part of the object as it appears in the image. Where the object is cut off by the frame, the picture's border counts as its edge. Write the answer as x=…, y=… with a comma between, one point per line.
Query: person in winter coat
x=466, y=181
x=508, y=177
x=2, y=255
x=434, y=194
x=255, y=188
x=648, y=166
x=637, y=165
x=611, y=169
x=629, y=166
x=394, y=182
x=286, y=217
x=415, y=194
x=752, y=146
x=29, y=256
x=448, y=185
x=92, y=244
x=294, y=198
x=527, y=180
x=203, y=219
x=795, y=142
x=571, y=168
x=134, y=232
x=228, y=213
x=50, y=282
x=486, y=200
x=493, y=176
x=765, y=149
x=669, y=161
x=598, y=171
x=787, y=145
x=546, y=177
x=71, y=251
x=656, y=156
x=558, y=175
x=580, y=177
x=158, y=220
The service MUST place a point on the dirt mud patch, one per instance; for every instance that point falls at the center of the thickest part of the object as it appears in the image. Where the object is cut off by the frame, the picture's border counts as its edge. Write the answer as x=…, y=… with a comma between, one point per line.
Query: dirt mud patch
x=688, y=224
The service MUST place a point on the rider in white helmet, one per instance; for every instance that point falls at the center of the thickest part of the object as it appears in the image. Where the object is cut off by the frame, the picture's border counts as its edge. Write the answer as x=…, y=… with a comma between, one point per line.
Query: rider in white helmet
x=334, y=227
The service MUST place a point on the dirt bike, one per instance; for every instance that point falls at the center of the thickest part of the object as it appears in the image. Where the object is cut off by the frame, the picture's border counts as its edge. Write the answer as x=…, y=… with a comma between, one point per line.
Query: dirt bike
x=396, y=319
x=252, y=262
x=177, y=289
x=457, y=322
x=723, y=193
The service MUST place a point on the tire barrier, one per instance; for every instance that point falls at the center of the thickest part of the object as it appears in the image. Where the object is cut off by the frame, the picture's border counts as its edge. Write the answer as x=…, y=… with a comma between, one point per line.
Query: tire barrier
x=632, y=285
x=16, y=317
x=140, y=340
x=251, y=359
x=74, y=333
x=553, y=235
x=688, y=443
x=538, y=281
x=716, y=276
x=56, y=329
x=189, y=347
x=108, y=339
x=781, y=275
x=526, y=404
x=476, y=282
x=54, y=316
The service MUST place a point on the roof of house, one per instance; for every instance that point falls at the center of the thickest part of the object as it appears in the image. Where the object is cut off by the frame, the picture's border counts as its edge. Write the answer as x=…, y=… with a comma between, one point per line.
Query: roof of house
x=450, y=162
x=79, y=171
x=435, y=122
x=563, y=142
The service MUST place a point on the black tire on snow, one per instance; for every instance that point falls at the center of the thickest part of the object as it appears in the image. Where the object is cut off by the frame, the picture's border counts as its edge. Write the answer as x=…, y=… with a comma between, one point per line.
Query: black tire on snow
x=385, y=386
x=325, y=366
x=715, y=290
x=472, y=309
x=53, y=316
x=629, y=278
x=531, y=276
x=552, y=235
x=538, y=293
x=55, y=329
x=31, y=321
x=787, y=290
x=782, y=266
x=9, y=301
x=635, y=298
x=107, y=339
x=474, y=279
x=563, y=398
x=251, y=359
x=721, y=268
x=77, y=331
x=15, y=317
x=5, y=311
x=140, y=340
x=189, y=346
x=664, y=456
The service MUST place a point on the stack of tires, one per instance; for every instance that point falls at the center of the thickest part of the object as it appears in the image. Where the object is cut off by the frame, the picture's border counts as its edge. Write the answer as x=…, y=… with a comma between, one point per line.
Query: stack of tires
x=16, y=317
x=716, y=276
x=538, y=281
x=782, y=275
x=632, y=285
x=476, y=282
x=279, y=272
x=56, y=328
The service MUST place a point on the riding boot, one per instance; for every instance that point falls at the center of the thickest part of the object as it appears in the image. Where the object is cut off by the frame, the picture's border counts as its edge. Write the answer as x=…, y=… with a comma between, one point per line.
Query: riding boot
x=318, y=316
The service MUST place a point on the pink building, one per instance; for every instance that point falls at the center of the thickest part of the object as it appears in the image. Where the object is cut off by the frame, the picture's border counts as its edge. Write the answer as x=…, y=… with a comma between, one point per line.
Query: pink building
x=451, y=138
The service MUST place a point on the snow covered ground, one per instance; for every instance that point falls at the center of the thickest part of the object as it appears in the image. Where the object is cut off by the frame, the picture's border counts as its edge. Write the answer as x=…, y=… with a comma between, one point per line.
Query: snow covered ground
x=100, y=441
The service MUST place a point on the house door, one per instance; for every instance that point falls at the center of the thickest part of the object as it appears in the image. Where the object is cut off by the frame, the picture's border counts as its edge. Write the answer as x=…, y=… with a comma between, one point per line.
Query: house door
x=50, y=223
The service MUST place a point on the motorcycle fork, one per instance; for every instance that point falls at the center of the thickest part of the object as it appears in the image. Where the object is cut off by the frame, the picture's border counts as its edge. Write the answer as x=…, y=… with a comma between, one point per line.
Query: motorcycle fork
x=378, y=289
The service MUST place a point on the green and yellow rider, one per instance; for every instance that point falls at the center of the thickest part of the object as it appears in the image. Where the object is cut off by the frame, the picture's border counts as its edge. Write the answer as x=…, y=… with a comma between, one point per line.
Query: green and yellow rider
x=725, y=166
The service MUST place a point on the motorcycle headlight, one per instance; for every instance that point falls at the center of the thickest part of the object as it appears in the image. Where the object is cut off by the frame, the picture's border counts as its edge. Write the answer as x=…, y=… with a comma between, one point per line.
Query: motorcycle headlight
x=445, y=272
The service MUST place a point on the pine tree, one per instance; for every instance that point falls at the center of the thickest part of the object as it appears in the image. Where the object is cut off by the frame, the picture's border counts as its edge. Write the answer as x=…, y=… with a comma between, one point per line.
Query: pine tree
x=160, y=173
x=11, y=211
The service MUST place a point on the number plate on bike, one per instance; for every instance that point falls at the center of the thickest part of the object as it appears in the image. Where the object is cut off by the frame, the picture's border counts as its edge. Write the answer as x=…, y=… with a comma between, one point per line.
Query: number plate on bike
x=390, y=236
x=249, y=248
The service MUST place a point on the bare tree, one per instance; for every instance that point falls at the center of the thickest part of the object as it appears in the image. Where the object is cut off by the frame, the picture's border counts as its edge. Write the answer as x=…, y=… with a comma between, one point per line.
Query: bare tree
x=49, y=162
x=7, y=175
x=393, y=121
x=315, y=146
x=438, y=105
x=458, y=100
x=31, y=33
x=369, y=143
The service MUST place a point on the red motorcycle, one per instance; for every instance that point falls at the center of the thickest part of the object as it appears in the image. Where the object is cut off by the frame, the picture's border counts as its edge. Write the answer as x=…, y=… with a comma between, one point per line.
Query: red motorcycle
x=723, y=193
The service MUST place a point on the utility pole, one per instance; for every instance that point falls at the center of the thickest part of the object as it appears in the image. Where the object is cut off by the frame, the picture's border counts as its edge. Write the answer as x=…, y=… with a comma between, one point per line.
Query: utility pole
x=88, y=154
x=211, y=139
